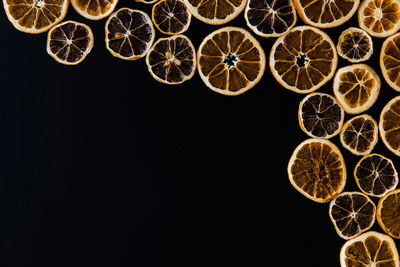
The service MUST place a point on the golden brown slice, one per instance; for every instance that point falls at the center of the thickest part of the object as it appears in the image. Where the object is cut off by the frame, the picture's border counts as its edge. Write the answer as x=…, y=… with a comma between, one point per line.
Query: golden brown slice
x=320, y=115
x=317, y=170
x=388, y=213
x=380, y=18
x=326, y=14
x=172, y=60
x=355, y=45
x=129, y=34
x=94, y=9
x=69, y=42
x=230, y=61
x=389, y=125
x=35, y=16
x=171, y=16
x=270, y=18
x=303, y=60
x=390, y=61
x=369, y=249
x=352, y=213
x=376, y=175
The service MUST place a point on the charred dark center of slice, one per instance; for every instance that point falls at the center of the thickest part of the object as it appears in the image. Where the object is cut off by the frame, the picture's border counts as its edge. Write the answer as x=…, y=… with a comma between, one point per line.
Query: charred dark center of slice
x=230, y=60
x=302, y=60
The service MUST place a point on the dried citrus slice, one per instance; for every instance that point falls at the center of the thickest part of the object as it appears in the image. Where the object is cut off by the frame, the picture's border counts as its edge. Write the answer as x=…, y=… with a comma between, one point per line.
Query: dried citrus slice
x=94, y=9
x=380, y=18
x=129, y=34
x=69, y=42
x=388, y=213
x=326, y=14
x=376, y=175
x=320, y=115
x=230, y=61
x=171, y=16
x=389, y=125
x=390, y=61
x=215, y=11
x=356, y=87
x=359, y=134
x=35, y=16
x=355, y=45
x=352, y=213
x=369, y=249
x=270, y=18
x=304, y=59
x=172, y=60
x=317, y=170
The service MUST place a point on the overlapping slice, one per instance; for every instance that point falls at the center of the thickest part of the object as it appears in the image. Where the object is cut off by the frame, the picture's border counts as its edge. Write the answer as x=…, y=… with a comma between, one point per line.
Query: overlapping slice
x=172, y=60
x=69, y=42
x=390, y=61
x=376, y=175
x=320, y=115
x=317, y=170
x=356, y=87
x=230, y=61
x=369, y=249
x=389, y=125
x=304, y=59
x=94, y=9
x=326, y=14
x=215, y=12
x=171, y=16
x=388, y=213
x=380, y=18
x=270, y=18
x=35, y=16
x=355, y=45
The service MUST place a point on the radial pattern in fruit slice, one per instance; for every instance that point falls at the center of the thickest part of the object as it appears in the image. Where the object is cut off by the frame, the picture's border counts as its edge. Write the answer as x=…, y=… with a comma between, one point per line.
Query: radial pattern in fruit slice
x=304, y=59
x=172, y=60
x=171, y=16
x=270, y=18
x=230, y=61
x=94, y=9
x=388, y=213
x=390, y=61
x=129, y=34
x=320, y=115
x=355, y=45
x=35, y=16
x=389, y=125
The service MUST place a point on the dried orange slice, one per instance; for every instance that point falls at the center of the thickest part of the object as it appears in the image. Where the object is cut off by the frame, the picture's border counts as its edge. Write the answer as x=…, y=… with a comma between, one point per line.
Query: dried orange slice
x=388, y=213
x=215, y=12
x=35, y=16
x=352, y=213
x=320, y=115
x=69, y=42
x=355, y=45
x=303, y=60
x=389, y=125
x=376, y=175
x=356, y=87
x=171, y=16
x=326, y=14
x=369, y=249
x=94, y=9
x=359, y=134
x=380, y=18
x=129, y=34
x=230, y=61
x=390, y=61
x=172, y=60
x=270, y=18
x=317, y=170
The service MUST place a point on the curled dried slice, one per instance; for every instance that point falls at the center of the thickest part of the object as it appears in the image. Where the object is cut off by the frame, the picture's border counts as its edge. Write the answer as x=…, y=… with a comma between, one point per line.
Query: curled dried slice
x=94, y=9
x=171, y=16
x=389, y=125
x=355, y=45
x=390, y=61
x=388, y=213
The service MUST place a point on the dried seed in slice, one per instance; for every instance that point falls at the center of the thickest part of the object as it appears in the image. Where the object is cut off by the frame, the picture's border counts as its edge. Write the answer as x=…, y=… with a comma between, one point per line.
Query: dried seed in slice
x=171, y=16
x=94, y=9
x=355, y=45
x=389, y=125
x=388, y=213
x=390, y=61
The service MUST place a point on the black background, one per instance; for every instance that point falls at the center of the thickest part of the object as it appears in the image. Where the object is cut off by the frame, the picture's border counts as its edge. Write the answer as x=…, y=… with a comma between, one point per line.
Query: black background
x=101, y=165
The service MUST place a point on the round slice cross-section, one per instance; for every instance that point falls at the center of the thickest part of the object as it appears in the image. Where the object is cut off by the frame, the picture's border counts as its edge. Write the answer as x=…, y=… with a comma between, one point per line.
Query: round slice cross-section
x=389, y=125
x=171, y=16
x=35, y=16
x=129, y=34
x=390, y=61
x=317, y=170
x=388, y=213
x=69, y=42
x=355, y=45
x=303, y=60
x=326, y=14
x=369, y=249
x=380, y=18
x=230, y=61
x=376, y=175
x=320, y=115
x=172, y=60
x=356, y=87
x=94, y=9
x=270, y=18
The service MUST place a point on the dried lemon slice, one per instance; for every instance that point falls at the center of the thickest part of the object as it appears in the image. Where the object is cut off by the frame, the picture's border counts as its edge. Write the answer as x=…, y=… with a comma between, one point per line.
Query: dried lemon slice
x=171, y=16
x=388, y=213
x=355, y=45
x=390, y=61
x=389, y=125
x=94, y=9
